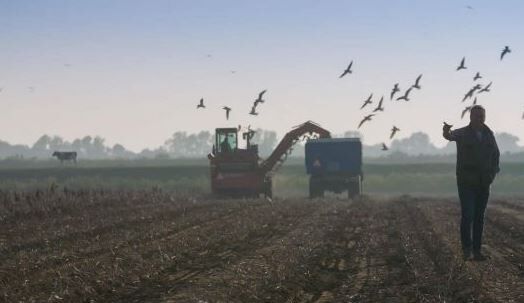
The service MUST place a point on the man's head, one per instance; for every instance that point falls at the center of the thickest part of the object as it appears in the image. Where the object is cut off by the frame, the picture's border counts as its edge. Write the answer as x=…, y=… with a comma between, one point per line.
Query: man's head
x=477, y=116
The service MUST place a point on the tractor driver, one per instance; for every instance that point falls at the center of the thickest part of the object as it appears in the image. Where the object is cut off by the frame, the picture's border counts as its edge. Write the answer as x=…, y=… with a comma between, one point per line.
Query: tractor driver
x=224, y=146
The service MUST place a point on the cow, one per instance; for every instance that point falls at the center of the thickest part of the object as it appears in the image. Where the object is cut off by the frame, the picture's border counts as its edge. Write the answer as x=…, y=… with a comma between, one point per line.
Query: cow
x=65, y=156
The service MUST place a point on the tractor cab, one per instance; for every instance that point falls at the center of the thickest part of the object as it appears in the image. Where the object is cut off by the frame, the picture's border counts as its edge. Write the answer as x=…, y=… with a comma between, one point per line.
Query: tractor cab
x=226, y=140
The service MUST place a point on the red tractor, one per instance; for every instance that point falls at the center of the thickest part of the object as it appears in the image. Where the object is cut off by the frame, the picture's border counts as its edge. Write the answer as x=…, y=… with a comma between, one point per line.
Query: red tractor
x=237, y=172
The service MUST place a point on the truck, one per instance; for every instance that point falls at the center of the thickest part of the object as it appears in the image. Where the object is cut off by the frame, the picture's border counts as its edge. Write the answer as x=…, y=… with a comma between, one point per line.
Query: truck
x=241, y=172
x=334, y=164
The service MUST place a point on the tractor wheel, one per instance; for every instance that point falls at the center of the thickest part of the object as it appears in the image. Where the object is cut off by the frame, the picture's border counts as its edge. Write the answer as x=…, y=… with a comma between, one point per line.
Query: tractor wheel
x=268, y=190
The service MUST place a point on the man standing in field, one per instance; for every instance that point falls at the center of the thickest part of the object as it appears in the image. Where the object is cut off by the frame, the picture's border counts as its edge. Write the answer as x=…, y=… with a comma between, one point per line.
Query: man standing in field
x=477, y=166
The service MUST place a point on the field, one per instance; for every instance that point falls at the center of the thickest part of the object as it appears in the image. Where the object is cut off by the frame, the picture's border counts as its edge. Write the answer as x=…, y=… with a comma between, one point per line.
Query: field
x=92, y=233
x=157, y=246
x=193, y=177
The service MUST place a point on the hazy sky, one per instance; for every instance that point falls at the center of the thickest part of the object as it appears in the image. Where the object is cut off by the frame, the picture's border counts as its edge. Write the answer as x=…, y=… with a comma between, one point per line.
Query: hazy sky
x=133, y=71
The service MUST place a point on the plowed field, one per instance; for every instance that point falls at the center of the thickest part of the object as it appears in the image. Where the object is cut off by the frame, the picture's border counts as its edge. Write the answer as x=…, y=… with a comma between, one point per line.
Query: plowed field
x=160, y=247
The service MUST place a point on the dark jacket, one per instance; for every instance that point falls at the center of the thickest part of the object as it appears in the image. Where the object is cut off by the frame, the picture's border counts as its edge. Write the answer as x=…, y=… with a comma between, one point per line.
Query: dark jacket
x=477, y=160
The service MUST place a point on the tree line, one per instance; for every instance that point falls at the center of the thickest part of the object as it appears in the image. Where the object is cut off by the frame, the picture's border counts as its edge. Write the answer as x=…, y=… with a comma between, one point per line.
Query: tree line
x=197, y=145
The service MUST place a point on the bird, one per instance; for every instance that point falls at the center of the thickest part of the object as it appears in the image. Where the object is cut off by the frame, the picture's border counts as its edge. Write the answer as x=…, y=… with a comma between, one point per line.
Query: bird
x=467, y=109
x=253, y=112
x=486, y=88
x=384, y=147
x=366, y=118
x=469, y=7
x=227, y=109
x=394, y=130
x=394, y=91
x=462, y=66
x=259, y=99
x=417, y=85
x=31, y=89
x=405, y=96
x=347, y=70
x=504, y=52
x=201, y=104
x=470, y=93
x=477, y=76
x=379, y=107
x=368, y=101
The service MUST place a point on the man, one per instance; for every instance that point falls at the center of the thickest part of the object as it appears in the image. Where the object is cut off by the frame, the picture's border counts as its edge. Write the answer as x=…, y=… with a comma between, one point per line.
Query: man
x=224, y=146
x=477, y=165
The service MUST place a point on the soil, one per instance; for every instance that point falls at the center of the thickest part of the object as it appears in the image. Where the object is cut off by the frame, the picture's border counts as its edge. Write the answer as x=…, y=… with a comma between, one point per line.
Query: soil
x=163, y=247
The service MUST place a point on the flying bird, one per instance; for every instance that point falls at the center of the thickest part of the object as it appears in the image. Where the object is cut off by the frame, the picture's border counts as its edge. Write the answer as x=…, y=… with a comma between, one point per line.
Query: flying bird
x=259, y=99
x=467, y=109
x=366, y=118
x=253, y=112
x=379, y=107
x=394, y=130
x=384, y=147
x=504, y=52
x=417, y=84
x=462, y=66
x=227, y=109
x=201, y=104
x=368, y=101
x=470, y=93
x=406, y=95
x=486, y=88
x=394, y=91
x=347, y=70
x=477, y=76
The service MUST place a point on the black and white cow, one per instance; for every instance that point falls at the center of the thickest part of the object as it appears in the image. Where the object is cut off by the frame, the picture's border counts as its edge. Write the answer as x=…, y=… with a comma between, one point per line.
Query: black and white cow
x=65, y=156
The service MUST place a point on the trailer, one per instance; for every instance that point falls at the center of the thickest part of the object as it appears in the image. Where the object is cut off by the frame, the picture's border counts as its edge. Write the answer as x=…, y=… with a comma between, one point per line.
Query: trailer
x=334, y=164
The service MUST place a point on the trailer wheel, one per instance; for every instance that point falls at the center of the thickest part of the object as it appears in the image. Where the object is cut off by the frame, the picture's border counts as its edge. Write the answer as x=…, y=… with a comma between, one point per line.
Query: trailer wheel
x=355, y=188
x=315, y=189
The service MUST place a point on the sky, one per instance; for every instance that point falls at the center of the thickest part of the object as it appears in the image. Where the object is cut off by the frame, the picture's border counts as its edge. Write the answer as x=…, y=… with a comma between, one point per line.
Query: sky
x=133, y=71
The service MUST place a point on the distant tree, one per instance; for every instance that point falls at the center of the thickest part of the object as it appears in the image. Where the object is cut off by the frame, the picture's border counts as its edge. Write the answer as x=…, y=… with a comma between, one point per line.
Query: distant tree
x=119, y=151
x=194, y=145
x=507, y=143
x=353, y=134
x=266, y=140
x=41, y=147
x=417, y=143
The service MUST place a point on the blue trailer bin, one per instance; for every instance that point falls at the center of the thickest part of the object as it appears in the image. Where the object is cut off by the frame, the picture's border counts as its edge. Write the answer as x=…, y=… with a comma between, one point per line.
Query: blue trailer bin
x=334, y=164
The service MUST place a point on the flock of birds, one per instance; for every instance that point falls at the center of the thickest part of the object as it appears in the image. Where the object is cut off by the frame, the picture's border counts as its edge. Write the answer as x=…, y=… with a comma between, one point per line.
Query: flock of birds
x=394, y=95
x=471, y=93
x=228, y=109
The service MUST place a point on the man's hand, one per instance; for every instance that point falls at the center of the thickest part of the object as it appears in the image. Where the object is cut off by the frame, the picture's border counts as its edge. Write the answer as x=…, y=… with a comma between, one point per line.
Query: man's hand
x=446, y=128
